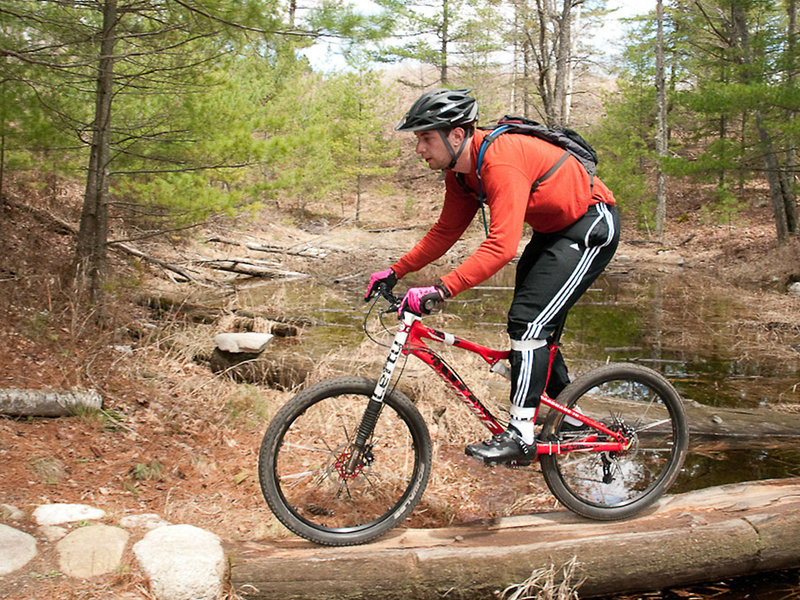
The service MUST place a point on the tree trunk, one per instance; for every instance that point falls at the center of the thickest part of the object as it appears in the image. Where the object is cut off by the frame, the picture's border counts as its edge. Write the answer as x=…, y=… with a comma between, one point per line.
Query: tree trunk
x=563, y=50
x=552, y=49
x=47, y=403
x=544, y=77
x=661, y=122
x=780, y=191
x=93, y=233
x=445, y=40
x=791, y=150
x=575, y=28
x=2, y=161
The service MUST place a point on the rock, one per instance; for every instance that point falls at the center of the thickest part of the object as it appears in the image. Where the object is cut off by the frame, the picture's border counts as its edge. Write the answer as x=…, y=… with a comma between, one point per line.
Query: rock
x=182, y=562
x=53, y=533
x=54, y=514
x=12, y=513
x=146, y=521
x=247, y=342
x=93, y=550
x=794, y=289
x=17, y=548
x=282, y=371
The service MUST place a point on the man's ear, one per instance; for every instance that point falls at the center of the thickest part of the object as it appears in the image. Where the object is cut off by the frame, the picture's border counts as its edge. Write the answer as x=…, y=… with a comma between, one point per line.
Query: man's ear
x=457, y=135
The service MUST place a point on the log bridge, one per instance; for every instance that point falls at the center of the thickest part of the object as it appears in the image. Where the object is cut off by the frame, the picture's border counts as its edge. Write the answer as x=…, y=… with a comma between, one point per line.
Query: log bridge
x=694, y=537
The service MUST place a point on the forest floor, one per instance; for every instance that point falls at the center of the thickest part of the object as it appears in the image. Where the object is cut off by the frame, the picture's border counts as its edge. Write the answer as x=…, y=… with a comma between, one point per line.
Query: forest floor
x=176, y=440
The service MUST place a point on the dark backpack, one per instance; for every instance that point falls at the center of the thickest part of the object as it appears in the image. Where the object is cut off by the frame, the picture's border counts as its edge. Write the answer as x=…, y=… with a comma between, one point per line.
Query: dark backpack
x=563, y=137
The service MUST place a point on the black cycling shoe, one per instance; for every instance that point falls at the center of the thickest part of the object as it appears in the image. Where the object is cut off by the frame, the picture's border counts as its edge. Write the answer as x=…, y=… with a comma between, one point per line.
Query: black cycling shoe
x=502, y=449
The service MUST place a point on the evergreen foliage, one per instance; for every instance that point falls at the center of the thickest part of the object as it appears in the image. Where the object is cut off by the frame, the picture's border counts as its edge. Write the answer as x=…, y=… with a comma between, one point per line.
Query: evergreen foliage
x=733, y=99
x=215, y=111
x=456, y=37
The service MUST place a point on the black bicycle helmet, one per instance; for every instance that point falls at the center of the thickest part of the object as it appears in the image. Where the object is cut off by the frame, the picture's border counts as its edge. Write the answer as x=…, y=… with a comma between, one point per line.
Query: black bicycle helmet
x=439, y=109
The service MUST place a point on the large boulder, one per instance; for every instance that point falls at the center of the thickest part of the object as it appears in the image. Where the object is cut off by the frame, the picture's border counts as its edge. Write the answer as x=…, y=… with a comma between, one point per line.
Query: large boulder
x=182, y=562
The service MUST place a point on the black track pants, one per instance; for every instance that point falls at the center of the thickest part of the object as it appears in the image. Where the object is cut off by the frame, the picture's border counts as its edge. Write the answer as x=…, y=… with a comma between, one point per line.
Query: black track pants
x=553, y=272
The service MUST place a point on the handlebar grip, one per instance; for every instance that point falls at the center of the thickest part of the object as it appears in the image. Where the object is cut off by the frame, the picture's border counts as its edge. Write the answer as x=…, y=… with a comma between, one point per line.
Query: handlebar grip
x=430, y=304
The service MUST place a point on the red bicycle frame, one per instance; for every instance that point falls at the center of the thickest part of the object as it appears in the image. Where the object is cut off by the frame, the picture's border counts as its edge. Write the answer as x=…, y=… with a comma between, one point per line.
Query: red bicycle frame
x=415, y=344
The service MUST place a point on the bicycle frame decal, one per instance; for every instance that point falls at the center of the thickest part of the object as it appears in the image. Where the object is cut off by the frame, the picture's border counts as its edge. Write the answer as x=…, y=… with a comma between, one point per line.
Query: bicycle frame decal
x=413, y=336
x=419, y=348
x=394, y=353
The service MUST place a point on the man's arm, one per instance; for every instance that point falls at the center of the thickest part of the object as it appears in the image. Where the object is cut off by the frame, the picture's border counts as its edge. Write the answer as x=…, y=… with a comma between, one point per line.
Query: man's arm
x=457, y=213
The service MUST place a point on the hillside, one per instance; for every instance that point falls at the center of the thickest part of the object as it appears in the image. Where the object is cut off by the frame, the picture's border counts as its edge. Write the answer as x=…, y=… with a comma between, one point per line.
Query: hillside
x=176, y=440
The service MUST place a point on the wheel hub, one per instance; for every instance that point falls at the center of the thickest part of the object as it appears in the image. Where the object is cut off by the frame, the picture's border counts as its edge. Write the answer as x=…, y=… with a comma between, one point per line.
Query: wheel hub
x=344, y=459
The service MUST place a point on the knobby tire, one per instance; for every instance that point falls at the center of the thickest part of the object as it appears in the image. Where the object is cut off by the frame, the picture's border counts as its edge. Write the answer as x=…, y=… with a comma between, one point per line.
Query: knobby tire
x=617, y=485
x=303, y=458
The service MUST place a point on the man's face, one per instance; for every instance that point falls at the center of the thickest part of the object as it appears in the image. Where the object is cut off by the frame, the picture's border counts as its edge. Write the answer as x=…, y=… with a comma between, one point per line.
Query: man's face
x=432, y=149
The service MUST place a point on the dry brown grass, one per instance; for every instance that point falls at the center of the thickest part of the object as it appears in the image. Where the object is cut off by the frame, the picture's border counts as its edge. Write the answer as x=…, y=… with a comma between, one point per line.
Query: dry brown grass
x=547, y=583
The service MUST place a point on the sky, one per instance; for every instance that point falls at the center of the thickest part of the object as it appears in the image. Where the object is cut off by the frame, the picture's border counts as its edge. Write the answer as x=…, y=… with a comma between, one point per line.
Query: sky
x=323, y=56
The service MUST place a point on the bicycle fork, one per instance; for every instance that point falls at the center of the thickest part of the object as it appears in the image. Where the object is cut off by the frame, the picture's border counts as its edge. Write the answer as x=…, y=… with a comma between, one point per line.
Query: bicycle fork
x=375, y=404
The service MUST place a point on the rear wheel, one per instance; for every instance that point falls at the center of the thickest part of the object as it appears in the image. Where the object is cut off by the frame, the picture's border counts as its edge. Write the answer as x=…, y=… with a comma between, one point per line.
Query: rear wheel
x=615, y=485
x=315, y=487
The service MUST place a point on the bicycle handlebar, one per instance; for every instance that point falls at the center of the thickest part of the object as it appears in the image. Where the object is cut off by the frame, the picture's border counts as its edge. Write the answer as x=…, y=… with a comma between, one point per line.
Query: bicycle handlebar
x=394, y=301
x=386, y=292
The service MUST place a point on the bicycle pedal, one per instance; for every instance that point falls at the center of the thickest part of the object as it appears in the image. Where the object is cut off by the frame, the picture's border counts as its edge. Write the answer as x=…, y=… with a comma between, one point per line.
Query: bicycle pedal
x=517, y=464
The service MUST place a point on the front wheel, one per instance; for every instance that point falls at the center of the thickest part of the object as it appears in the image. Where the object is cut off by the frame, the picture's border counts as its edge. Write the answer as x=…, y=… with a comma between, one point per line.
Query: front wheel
x=315, y=487
x=641, y=404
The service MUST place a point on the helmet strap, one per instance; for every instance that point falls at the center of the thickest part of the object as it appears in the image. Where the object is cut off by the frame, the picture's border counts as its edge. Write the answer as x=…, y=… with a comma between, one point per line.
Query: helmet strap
x=454, y=154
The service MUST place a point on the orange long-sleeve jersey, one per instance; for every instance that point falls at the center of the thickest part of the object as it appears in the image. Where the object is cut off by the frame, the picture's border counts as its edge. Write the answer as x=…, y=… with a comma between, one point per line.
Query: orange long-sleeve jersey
x=511, y=164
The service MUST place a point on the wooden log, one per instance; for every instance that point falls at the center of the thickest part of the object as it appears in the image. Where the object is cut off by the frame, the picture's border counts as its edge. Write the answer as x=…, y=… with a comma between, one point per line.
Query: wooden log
x=752, y=426
x=689, y=538
x=307, y=252
x=161, y=263
x=198, y=313
x=298, y=250
x=251, y=267
x=47, y=403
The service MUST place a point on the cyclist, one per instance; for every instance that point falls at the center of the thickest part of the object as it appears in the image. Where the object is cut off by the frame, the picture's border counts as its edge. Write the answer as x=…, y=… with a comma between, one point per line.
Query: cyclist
x=575, y=234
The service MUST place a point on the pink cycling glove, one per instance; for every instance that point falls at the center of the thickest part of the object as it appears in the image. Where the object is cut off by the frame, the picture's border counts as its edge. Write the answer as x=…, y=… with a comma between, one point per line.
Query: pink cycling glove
x=387, y=276
x=420, y=300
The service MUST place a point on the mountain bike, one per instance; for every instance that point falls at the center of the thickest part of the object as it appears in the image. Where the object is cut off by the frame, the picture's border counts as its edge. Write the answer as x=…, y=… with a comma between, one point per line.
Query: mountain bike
x=347, y=459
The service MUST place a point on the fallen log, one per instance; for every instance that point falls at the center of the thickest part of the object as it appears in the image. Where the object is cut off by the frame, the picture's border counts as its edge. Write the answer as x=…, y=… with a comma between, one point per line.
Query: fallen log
x=47, y=403
x=280, y=326
x=690, y=538
x=157, y=261
x=734, y=427
x=757, y=427
x=303, y=251
x=251, y=267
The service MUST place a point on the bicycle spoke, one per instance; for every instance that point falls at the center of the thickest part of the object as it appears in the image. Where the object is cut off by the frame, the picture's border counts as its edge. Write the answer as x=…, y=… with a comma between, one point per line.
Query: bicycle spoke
x=651, y=425
x=325, y=450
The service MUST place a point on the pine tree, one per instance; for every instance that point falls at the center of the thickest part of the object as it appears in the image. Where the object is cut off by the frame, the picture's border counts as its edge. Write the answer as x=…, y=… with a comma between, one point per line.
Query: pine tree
x=443, y=34
x=127, y=57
